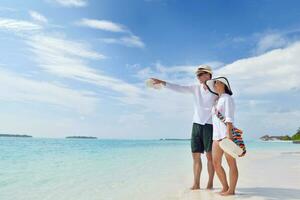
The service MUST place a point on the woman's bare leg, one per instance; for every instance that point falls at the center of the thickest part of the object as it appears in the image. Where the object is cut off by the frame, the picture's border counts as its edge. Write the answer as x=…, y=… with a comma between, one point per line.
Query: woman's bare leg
x=217, y=160
x=233, y=175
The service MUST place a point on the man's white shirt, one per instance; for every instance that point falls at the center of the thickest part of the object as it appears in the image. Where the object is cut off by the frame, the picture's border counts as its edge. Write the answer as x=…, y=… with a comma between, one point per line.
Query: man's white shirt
x=203, y=101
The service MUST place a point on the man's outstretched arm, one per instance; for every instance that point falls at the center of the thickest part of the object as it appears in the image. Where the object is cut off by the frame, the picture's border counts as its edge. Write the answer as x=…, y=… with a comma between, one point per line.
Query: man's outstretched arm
x=175, y=87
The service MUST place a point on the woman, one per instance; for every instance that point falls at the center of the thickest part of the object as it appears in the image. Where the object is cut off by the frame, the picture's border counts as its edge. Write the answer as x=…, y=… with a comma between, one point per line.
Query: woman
x=224, y=105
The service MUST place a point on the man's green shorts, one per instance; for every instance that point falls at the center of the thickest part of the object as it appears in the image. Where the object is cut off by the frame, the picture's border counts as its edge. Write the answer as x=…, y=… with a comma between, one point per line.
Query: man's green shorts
x=201, y=138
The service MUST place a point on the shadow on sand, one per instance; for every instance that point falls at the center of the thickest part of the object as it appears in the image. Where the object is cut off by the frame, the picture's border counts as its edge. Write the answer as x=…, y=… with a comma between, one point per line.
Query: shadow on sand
x=255, y=193
x=268, y=193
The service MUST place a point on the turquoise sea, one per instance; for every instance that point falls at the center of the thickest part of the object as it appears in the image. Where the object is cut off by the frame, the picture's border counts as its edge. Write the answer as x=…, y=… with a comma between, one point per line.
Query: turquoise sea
x=77, y=169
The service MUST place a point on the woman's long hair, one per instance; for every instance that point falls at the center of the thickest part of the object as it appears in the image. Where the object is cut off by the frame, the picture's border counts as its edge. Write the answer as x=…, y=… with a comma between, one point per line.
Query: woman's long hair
x=226, y=89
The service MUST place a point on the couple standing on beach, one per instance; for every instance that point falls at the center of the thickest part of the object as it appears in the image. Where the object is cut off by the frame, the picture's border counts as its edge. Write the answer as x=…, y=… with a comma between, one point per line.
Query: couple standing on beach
x=210, y=96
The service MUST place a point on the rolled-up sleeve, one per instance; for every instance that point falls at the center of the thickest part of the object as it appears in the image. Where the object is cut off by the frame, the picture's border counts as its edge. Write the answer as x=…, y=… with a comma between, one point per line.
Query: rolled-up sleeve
x=180, y=88
x=229, y=110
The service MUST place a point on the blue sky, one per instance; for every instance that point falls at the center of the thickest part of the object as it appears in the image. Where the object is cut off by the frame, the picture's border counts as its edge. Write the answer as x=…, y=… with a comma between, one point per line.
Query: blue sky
x=77, y=67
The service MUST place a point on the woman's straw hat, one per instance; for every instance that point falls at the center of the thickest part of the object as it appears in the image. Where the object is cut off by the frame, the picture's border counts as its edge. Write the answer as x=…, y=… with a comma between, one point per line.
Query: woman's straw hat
x=210, y=84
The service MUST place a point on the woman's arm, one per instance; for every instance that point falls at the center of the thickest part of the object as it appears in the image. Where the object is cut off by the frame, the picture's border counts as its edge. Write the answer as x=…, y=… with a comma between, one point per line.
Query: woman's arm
x=229, y=116
x=229, y=130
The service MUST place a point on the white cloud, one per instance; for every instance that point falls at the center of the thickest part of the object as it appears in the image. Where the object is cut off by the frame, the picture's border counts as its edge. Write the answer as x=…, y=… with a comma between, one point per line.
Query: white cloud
x=38, y=17
x=7, y=9
x=18, y=25
x=18, y=88
x=102, y=25
x=130, y=41
x=62, y=48
x=71, y=3
x=271, y=41
x=69, y=59
x=273, y=72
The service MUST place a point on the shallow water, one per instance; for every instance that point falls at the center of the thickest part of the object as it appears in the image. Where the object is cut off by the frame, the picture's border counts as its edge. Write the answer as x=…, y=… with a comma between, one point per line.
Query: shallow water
x=76, y=169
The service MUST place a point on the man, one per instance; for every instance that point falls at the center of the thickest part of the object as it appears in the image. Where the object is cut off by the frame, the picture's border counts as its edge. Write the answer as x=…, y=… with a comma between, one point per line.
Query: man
x=201, y=139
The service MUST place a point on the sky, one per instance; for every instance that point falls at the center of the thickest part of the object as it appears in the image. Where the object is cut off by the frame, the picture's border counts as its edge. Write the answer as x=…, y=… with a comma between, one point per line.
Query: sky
x=78, y=67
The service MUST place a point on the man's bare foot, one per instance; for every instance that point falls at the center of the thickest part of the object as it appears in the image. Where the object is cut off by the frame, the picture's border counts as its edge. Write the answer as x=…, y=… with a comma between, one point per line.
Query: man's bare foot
x=209, y=186
x=228, y=193
x=195, y=187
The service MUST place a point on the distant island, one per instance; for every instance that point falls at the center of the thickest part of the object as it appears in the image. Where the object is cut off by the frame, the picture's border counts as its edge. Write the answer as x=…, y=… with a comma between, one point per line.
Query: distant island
x=15, y=135
x=295, y=138
x=81, y=137
x=172, y=139
x=274, y=138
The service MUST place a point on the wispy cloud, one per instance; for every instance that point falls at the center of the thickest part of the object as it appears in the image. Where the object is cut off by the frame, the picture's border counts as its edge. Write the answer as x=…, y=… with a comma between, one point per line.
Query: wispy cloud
x=59, y=47
x=259, y=43
x=69, y=59
x=18, y=25
x=271, y=41
x=71, y=3
x=7, y=9
x=102, y=25
x=130, y=41
x=38, y=17
x=18, y=88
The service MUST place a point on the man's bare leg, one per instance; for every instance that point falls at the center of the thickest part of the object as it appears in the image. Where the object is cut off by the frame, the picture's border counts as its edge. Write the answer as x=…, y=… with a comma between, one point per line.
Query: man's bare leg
x=197, y=167
x=211, y=170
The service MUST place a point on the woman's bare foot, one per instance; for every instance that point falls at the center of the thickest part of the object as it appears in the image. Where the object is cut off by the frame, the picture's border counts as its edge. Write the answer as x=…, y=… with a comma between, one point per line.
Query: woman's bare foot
x=228, y=193
x=195, y=187
x=223, y=191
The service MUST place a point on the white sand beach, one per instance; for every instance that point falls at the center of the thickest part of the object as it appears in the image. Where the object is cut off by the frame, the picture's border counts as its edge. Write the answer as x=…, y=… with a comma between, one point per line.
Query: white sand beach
x=267, y=175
